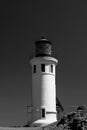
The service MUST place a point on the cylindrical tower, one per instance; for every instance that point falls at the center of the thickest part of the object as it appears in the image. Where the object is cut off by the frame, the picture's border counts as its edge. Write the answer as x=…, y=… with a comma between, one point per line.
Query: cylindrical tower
x=43, y=84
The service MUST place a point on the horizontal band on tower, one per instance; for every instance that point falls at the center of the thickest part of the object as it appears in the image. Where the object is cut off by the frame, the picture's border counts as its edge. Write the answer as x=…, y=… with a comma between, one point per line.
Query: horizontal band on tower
x=49, y=112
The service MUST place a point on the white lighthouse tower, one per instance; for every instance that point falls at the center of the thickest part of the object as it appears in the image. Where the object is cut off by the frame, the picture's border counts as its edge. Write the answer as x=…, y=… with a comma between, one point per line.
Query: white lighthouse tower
x=43, y=84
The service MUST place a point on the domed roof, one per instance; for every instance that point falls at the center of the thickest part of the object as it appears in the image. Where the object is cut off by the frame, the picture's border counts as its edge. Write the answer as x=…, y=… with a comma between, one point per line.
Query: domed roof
x=43, y=40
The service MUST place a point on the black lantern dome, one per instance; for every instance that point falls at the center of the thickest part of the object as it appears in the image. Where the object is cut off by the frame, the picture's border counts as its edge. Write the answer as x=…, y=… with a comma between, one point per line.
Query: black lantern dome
x=43, y=47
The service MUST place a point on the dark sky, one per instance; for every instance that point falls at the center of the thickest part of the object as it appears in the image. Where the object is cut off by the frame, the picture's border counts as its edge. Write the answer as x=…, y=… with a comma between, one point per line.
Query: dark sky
x=23, y=22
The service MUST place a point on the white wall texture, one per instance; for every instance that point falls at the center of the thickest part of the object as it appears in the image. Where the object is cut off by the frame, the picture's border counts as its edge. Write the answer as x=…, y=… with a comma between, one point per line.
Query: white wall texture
x=44, y=88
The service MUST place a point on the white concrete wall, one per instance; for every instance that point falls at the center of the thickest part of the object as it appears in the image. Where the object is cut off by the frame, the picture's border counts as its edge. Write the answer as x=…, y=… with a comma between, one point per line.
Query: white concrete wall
x=44, y=88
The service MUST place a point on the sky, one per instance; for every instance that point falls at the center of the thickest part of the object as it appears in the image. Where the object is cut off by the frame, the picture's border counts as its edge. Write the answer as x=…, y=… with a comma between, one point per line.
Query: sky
x=22, y=22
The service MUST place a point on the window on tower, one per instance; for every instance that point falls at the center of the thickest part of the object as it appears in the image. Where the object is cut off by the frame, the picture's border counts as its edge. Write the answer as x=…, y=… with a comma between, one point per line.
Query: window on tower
x=43, y=113
x=34, y=69
x=52, y=68
x=43, y=67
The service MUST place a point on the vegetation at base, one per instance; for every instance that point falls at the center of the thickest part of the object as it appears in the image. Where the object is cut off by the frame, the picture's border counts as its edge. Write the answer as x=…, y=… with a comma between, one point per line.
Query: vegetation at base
x=76, y=120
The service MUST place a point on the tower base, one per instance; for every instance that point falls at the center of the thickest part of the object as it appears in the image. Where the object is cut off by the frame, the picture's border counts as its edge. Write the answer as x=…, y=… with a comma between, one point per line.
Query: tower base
x=42, y=122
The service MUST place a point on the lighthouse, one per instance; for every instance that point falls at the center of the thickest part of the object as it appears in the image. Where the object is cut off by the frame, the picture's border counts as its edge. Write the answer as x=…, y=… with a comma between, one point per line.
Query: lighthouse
x=43, y=84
